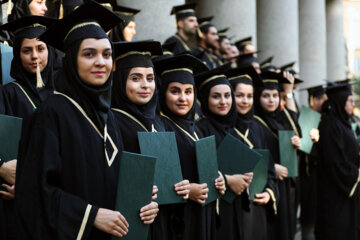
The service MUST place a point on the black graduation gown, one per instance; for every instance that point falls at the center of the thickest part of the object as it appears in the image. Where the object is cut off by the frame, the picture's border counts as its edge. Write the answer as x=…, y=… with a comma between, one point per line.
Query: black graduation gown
x=2, y=102
x=338, y=210
x=255, y=220
x=230, y=224
x=208, y=58
x=198, y=222
x=283, y=224
x=181, y=45
x=63, y=174
x=21, y=105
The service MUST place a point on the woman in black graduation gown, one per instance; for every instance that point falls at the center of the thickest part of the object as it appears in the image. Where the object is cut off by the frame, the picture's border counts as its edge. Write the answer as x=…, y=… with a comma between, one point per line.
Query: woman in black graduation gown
x=70, y=156
x=177, y=95
x=135, y=106
x=32, y=66
x=338, y=193
x=218, y=106
x=267, y=110
x=24, y=8
x=125, y=31
x=255, y=136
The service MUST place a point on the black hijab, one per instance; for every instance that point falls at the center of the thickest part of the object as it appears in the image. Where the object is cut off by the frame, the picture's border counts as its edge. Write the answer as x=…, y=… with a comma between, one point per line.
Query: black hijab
x=94, y=100
x=144, y=113
x=19, y=10
x=335, y=105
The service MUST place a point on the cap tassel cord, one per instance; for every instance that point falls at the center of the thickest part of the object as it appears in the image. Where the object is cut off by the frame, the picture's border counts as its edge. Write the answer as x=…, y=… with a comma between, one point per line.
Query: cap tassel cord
x=8, y=11
x=39, y=81
x=199, y=32
x=61, y=10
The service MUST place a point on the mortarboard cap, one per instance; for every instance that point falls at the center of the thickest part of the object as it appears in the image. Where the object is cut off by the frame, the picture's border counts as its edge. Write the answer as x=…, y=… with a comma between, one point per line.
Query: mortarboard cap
x=273, y=80
x=288, y=67
x=243, y=42
x=222, y=32
x=213, y=77
x=247, y=75
x=333, y=89
x=29, y=26
x=181, y=68
x=316, y=91
x=184, y=11
x=125, y=13
x=136, y=53
x=90, y=20
x=245, y=60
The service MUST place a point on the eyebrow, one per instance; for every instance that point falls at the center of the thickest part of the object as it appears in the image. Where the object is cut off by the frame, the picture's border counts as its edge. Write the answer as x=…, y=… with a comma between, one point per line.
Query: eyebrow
x=94, y=49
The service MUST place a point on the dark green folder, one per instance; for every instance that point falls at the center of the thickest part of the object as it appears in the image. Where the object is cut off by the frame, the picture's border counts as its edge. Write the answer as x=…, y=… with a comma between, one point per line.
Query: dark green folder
x=288, y=156
x=234, y=157
x=354, y=127
x=168, y=170
x=260, y=174
x=134, y=191
x=6, y=57
x=207, y=165
x=308, y=120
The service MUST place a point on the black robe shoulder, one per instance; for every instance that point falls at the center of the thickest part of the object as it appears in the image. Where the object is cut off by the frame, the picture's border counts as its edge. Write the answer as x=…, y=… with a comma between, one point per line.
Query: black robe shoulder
x=63, y=176
x=181, y=45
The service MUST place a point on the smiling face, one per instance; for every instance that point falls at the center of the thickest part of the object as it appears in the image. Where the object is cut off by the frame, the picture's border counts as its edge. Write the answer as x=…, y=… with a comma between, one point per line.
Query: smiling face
x=270, y=99
x=33, y=51
x=94, y=61
x=220, y=99
x=244, y=97
x=180, y=98
x=140, y=85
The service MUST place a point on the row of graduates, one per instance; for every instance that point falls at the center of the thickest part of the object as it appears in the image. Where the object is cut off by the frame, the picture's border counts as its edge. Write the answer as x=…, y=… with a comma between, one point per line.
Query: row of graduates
x=62, y=189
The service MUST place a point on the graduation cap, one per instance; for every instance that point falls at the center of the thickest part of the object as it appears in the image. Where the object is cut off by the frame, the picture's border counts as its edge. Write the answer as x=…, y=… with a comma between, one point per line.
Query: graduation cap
x=288, y=67
x=273, y=80
x=184, y=11
x=181, y=68
x=240, y=44
x=266, y=64
x=316, y=91
x=125, y=13
x=333, y=90
x=136, y=53
x=245, y=60
x=247, y=75
x=222, y=32
x=28, y=26
x=90, y=20
x=205, y=21
x=212, y=77
x=71, y=2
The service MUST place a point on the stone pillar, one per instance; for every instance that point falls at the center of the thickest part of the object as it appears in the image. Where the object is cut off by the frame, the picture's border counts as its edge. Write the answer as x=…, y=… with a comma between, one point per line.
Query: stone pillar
x=312, y=24
x=154, y=21
x=336, y=51
x=239, y=15
x=278, y=31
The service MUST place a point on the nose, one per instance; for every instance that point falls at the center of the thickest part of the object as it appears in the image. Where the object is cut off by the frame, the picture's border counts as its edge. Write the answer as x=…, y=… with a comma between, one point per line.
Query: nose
x=35, y=54
x=100, y=60
x=44, y=7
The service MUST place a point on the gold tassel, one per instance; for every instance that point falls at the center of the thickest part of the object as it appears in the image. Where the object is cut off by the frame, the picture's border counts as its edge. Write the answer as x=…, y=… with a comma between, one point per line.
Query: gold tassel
x=61, y=10
x=8, y=11
x=199, y=33
x=39, y=81
x=311, y=101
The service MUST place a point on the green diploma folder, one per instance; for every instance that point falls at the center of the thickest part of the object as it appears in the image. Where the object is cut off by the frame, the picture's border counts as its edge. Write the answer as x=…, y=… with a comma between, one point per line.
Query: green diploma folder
x=308, y=120
x=207, y=165
x=288, y=156
x=134, y=191
x=260, y=173
x=162, y=145
x=234, y=157
x=10, y=134
x=6, y=57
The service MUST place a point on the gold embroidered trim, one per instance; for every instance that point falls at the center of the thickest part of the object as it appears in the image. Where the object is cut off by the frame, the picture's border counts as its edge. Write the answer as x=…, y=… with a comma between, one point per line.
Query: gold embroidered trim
x=265, y=124
x=124, y=13
x=271, y=81
x=245, y=137
x=203, y=24
x=80, y=25
x=291, y=122
x=272, y=195
x=130, y=116
x=355, y=185
x=183, y=130
x=106, y=5
x=177, y=70
x=182, y=42
x=26, y=95
x=240, y=76
x=30, y=26
x=83, y=223
x=185, y=11
x=132, y=53
x=211, y=79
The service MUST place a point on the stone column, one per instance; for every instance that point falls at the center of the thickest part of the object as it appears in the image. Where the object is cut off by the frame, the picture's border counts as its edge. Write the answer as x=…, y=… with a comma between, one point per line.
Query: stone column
x=336, y=51
x=239, y=15
x=312, y=24
x=154, y=21
x=278, y=31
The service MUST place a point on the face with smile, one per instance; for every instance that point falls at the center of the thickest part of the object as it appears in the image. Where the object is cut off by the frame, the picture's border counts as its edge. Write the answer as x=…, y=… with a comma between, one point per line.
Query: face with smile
x=129, y=31
x=33, y=51
x=270, y=99
x=180, y=98
x=94, y=61
x=220, y=99
x=38, y=7
x=140, y=85
x=244, y=97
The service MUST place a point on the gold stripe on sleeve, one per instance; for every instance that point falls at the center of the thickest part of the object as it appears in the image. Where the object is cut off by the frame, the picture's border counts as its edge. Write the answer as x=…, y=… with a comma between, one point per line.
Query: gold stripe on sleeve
x=84, y=221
